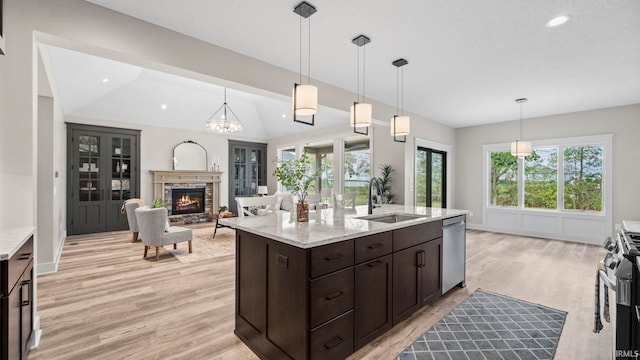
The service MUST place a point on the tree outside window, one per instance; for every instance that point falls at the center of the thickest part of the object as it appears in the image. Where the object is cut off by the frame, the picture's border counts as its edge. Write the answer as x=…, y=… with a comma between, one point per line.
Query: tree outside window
x=541, y=179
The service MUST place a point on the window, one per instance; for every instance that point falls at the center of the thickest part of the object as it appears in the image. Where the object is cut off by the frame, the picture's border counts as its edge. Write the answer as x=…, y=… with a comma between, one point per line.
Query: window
x=431, y=177
x=538, y=185
x=357, y=168
x=541, y=179
x=503, y=179
x=321, y=155
x=583, y=178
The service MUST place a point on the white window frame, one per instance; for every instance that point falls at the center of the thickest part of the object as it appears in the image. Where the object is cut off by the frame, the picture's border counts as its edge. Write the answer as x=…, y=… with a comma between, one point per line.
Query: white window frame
x=583, y=226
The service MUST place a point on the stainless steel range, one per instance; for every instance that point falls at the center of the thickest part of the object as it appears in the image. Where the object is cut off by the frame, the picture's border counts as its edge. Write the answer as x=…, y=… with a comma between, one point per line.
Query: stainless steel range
x=621, y=275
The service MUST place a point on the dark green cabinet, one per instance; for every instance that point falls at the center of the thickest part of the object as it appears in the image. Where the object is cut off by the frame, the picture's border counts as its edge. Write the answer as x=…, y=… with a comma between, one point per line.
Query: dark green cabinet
x=102, y=173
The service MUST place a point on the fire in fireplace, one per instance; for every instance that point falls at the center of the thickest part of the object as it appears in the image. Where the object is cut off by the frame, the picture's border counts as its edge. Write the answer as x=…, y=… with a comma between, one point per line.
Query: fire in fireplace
x=187, y=201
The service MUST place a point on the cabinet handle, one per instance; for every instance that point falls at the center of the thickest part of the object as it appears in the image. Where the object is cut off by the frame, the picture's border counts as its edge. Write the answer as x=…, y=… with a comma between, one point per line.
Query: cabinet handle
x=374, y=246
x=334, y=295
x=334, y=342
x=374, y=264
x=420, y=259
x=28, y=301
x=334, y=257
x=24, y=256
x=638, y=313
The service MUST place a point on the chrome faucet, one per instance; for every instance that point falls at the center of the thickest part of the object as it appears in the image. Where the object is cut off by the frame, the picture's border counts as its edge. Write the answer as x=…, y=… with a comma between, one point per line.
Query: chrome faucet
x=370, y=205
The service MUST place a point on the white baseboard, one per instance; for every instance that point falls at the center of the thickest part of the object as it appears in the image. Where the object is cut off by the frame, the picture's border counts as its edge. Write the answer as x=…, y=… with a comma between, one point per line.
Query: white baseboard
x=36, y=334
x=51, y=267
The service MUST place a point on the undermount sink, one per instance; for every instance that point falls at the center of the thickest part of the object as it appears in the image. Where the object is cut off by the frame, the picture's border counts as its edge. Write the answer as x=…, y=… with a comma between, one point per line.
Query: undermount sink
x=391, y=218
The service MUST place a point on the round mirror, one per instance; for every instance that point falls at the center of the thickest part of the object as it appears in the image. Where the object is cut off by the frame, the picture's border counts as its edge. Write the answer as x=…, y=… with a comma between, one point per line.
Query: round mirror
x=189, y=155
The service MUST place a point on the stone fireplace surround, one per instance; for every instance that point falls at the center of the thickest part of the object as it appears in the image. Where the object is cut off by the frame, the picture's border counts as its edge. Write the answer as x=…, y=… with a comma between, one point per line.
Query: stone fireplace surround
x=165, y=180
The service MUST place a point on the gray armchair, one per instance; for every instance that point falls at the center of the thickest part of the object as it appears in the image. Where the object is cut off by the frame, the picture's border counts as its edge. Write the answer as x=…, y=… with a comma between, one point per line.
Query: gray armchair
x=130, y=208
x=152, y=222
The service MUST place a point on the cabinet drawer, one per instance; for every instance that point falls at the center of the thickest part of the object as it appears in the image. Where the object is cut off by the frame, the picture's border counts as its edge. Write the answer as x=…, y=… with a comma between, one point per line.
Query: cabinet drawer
x=373, y=246
x=331, y=295
x=332, y=257
x=414, y=235
x=19, y=262
x=333, y=340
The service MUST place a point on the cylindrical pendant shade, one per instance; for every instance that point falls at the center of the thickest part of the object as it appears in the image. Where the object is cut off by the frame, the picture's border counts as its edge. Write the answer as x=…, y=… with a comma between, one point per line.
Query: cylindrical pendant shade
x=305, y=100
x=363, y=112
x=402, y=125
x=521, y=148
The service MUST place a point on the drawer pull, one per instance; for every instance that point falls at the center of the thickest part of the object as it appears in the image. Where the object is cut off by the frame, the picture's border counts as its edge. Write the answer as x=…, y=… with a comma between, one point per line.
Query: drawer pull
x=334, y=257
x=375, y=246
x=24, y=256
x=333, y=343
x=334, y=295
x=374, y=264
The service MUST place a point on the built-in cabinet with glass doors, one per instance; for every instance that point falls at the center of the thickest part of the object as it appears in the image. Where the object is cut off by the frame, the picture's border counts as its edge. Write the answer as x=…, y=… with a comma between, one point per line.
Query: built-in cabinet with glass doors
x=102, y=174
x=247, y=170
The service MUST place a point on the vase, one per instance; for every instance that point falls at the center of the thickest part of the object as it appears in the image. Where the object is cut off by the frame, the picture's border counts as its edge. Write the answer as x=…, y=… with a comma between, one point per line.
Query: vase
x=302, y=212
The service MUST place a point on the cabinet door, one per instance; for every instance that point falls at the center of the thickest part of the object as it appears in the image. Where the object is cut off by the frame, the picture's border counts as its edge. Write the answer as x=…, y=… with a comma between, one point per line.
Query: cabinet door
x=14, y=317
x=120, y=182
x=26, y=303
x=406, y=282
x=88, y=182
x=431, y=271
x=373, y=299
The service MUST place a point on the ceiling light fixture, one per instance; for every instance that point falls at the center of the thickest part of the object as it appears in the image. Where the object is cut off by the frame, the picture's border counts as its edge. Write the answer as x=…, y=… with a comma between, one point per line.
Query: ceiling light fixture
x=558, y=20
x=105, y=80
x=521, y=148
x=305, y=96
x=224, y=124
x=400, y=123
x=163, y=106
x=361, y=112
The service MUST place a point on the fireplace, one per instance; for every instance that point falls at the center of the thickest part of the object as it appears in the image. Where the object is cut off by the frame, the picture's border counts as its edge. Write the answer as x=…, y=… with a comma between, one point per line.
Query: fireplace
x=187, y=200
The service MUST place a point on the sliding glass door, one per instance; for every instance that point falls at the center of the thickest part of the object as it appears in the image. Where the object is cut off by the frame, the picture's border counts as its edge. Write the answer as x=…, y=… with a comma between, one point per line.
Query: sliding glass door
x=431, y=178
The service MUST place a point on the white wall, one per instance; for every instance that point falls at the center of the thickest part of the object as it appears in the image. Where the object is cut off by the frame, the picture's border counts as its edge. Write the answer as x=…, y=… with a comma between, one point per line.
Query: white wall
x=623, y=122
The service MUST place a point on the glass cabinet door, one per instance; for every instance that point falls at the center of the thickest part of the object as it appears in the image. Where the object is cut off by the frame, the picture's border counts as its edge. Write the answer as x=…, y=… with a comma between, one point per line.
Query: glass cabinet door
x=89, y=185
x=240, y=164
x=120, y=168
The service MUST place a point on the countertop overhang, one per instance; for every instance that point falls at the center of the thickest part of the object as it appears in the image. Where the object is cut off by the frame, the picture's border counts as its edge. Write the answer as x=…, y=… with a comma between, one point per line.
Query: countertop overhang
x=327, y=226
x=11, y=239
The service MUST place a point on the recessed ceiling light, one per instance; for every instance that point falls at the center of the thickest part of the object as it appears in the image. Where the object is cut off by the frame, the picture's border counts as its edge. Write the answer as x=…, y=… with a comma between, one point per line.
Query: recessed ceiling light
x=557, y=21
x=105, y=80
x=284, y=116
x=163, y=106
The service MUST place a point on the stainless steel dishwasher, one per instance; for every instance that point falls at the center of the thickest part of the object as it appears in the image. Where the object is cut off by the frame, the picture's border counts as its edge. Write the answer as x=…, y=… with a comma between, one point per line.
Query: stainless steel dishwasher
x=454, y=234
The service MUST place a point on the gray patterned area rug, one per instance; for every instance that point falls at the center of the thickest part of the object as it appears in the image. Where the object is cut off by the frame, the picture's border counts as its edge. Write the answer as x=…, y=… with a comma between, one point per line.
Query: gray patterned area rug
x=488, y=326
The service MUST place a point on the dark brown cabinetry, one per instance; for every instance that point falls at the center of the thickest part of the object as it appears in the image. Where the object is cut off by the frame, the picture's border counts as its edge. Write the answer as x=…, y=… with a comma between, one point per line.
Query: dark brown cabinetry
x=16, y=314
x=417, y=270
x=328, y=301
x=102, y=173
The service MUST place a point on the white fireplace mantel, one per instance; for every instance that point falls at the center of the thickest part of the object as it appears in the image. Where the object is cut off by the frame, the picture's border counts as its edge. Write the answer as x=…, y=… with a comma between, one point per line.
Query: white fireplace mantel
x=163, y=177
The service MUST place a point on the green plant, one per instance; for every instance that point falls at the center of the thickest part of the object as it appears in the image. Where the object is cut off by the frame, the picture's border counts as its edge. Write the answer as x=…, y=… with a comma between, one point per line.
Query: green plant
x=385, y=183
x=158, y=203
x=222, y=209
x=297, y=175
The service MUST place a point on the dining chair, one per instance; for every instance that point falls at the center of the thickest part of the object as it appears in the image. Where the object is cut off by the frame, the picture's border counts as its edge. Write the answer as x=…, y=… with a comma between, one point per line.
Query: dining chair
x=314, y=201
x=252, y=206
x=345, y=200
x=327, y=194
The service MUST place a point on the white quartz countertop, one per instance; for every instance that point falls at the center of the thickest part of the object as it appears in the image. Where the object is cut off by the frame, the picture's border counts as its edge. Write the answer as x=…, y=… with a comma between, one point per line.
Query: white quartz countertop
x=327, y=226
x=11, y=239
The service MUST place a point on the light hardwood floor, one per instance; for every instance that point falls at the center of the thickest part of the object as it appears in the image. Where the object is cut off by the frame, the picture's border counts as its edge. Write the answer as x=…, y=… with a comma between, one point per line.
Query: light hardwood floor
x=106, y=302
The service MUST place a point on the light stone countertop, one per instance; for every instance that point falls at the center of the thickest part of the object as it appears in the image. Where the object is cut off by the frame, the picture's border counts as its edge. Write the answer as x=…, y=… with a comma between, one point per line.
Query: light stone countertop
x=11, y=239
x=332, y=225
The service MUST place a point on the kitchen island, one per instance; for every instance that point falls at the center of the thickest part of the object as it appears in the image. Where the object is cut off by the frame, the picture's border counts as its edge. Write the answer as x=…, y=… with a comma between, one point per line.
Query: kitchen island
x=325, y=288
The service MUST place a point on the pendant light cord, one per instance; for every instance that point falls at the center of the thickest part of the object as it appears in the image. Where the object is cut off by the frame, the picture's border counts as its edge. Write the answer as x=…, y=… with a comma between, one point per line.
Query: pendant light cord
x=300, y=67
x=521, y=121
x=364, y=69
x=397, y=89
x=357, y=74
x=309, y=57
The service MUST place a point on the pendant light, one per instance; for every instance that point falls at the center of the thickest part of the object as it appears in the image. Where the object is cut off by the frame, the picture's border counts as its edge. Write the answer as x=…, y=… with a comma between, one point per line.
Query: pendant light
x=400, y=123
x=305, y=96
x=224, y=123
x=361, y=112
x=519, y=147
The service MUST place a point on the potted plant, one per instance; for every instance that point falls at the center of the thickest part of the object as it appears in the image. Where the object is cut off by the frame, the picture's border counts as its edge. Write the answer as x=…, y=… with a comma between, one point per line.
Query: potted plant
x=297, y=175
x=385, y=183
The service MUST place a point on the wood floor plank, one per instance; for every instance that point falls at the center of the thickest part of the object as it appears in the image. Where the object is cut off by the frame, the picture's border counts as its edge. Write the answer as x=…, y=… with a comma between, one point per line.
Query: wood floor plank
x=107, y=302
